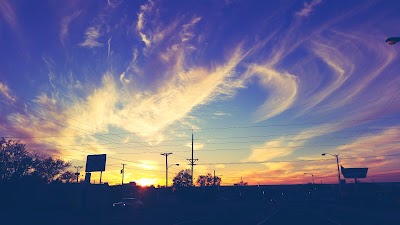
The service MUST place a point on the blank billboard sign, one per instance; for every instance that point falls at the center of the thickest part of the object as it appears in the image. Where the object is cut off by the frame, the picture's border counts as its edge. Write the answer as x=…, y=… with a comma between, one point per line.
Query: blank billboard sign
x=95, y=163
x=354, y=172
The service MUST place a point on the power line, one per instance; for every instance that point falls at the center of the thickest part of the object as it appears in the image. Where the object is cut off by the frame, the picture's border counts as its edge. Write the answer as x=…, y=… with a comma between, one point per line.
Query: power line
x=234, y=127
x=300, y=160
x=216, y=143
x=222, y=143
x=192, y=160
x=224, y=149
x=387, y=104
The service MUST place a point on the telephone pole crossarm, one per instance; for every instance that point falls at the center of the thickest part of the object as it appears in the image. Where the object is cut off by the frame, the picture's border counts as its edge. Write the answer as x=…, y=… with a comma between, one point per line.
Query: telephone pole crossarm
x=192, y=160
x=166, y=154
x=123, y=173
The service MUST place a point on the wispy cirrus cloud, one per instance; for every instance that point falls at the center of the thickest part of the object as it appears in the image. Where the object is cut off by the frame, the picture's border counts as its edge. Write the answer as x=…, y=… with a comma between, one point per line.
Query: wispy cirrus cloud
x=130, y=109
x=308, y=8
x=65, y=22
x=196, y=146
x=141, y=21
x=6, y=92
x=187, y=33
x=146, y=40
x=9, y=15
x=221, y=113
x=92, y=35
x=145, y=8
x=351, y=77
x=114, y=3
x=286, y=145
x=282, y=88
x=382, y=145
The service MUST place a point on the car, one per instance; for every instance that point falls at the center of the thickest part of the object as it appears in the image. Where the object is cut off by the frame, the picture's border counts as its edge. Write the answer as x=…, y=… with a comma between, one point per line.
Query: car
x=129, y=203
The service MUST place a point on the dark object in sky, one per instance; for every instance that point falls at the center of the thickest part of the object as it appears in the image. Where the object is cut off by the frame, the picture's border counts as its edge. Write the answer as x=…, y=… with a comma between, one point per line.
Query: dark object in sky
x=392, y=40
x=354, y=172
x=95, y=163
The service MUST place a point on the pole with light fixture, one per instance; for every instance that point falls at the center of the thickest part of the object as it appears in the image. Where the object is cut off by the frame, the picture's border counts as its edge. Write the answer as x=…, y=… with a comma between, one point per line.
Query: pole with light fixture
x=337, y=163
x=166, y=183
x=312, y=175
x=166, y=154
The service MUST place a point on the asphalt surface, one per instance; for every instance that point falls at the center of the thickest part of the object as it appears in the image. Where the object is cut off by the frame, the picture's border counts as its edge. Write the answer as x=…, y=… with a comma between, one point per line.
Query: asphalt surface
x=257, y=213
x=240, y=213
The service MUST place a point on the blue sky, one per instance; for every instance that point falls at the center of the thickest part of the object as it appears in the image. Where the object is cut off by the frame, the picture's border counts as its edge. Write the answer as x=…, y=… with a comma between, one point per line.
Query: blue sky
x=266, y=86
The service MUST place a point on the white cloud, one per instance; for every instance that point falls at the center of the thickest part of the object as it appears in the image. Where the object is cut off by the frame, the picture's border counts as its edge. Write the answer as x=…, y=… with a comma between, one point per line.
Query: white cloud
x=286, y=145
x=282, y=89
x=147, y=164
x=114, y=3
x=109, y=49
x=123, y=106
x=8, y=14
x=220, y=166
x=187, y=34
x=4, y=90
x=140, y=22
x=45, y=101
x=91, y=36
x=220, y=113
x=196, y=145
x=350, y=75
x=145, y=8
x=146, y=41
x=65, y=26
x=123, y=79
x=308, y=8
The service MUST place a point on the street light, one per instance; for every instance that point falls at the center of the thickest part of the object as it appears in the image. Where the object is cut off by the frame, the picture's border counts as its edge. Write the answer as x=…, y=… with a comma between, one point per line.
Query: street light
x=166, y=177
x=312, y=175
x=337, y=162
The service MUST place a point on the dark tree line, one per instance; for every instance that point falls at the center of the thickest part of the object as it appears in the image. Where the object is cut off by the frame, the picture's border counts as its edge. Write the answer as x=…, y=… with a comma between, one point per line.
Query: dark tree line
x=18, y=165
x=208, y=180
x=184, y=179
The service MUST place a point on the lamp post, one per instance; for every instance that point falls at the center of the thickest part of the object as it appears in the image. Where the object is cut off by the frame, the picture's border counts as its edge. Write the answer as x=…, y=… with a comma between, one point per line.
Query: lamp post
x=337, y=163
x=312, y=175
x=166, y=175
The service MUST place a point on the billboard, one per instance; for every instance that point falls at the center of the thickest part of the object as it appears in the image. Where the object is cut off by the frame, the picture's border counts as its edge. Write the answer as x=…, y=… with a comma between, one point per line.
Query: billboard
x=354, y=172
x=95, y=163
x=87, y=178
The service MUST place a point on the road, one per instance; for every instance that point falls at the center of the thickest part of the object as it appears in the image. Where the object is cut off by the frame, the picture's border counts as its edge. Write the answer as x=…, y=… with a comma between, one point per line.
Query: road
x=238, y=213
x=259, y=213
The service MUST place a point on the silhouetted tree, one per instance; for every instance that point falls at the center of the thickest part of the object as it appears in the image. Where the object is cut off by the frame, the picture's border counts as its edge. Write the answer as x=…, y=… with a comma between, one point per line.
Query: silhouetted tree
x=17, y=164
x=67, y=177
x=15, y=161
x=183, y=179
x=48, y=168
x=208, y=180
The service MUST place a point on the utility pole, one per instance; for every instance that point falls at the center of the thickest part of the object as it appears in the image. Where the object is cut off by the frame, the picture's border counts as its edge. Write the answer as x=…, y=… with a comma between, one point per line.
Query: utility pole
x=77, y=172
x=337, y=163
x=214, y=179
x=166, y=154
x=192, y=160
x=123, y=173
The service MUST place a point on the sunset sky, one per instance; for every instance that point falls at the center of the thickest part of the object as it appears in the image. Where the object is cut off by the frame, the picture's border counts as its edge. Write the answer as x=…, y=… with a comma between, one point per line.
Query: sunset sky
x=265, y=86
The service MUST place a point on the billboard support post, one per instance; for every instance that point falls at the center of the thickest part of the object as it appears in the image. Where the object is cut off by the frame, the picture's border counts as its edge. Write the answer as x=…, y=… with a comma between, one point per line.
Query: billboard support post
x=95, y=163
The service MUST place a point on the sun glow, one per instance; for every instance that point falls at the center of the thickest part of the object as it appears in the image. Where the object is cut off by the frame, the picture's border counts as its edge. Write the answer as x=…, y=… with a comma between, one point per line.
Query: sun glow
x=146, y=181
